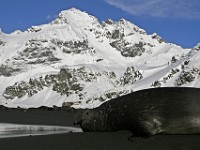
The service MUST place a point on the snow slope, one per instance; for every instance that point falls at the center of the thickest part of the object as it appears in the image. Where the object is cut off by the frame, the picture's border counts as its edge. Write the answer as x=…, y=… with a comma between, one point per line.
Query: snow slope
x=78, y=61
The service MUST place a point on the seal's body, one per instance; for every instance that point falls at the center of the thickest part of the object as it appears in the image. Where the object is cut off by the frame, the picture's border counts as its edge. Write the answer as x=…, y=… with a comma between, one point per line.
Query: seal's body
x=147, y=112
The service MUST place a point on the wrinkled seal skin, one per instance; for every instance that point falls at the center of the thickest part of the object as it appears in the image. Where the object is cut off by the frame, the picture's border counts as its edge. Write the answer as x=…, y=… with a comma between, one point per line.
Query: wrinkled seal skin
x=146, y=113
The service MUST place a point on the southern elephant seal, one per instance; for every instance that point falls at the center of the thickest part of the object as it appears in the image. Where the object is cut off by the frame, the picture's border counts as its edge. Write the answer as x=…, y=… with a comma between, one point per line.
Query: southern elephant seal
x=169, y=110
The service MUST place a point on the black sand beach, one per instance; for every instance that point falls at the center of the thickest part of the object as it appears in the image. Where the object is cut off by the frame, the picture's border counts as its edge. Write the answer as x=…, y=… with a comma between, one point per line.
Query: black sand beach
x=83, y=141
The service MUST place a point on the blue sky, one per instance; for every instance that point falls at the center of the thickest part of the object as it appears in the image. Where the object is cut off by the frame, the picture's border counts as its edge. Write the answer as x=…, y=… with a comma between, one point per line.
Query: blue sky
x=176, y=21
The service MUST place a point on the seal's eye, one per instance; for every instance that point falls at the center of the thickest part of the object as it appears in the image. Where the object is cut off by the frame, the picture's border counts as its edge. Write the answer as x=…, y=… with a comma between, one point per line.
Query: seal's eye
x=87, y=113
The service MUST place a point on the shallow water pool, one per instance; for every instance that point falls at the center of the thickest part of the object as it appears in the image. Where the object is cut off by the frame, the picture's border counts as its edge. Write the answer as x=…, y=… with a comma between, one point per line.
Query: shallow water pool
x=17, y=130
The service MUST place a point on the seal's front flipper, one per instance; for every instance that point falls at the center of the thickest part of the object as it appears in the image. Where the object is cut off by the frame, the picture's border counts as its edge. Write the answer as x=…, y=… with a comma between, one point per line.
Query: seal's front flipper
x=130, y=138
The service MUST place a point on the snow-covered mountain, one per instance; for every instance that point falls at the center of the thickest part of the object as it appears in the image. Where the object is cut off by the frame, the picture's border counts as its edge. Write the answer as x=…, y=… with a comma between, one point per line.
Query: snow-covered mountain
x=77, y=60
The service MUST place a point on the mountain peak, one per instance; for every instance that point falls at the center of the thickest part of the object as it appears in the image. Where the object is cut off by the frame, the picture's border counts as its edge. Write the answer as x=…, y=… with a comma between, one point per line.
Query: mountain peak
x=16, y=32
x=74, y=15
x=1, y=31
x=197, y=47
x=71, y=11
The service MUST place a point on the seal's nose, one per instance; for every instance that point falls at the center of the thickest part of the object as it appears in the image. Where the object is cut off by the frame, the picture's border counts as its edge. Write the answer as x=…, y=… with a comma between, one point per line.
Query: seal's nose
x=77, y=122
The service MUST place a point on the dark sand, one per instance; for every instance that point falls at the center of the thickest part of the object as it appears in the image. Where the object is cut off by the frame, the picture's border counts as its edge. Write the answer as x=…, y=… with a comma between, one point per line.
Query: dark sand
x=84, y=141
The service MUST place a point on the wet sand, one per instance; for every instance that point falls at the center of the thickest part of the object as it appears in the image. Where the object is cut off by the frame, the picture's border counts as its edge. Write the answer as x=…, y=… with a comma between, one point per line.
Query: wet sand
x=84, y=141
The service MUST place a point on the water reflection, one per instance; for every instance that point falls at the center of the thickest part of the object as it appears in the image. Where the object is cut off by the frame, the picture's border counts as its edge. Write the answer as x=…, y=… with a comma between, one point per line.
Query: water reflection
x=16, y=130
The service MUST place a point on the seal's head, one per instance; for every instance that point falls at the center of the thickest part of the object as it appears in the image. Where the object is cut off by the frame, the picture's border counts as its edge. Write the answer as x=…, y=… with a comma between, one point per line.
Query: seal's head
x=90, y=120
x=82, y=114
